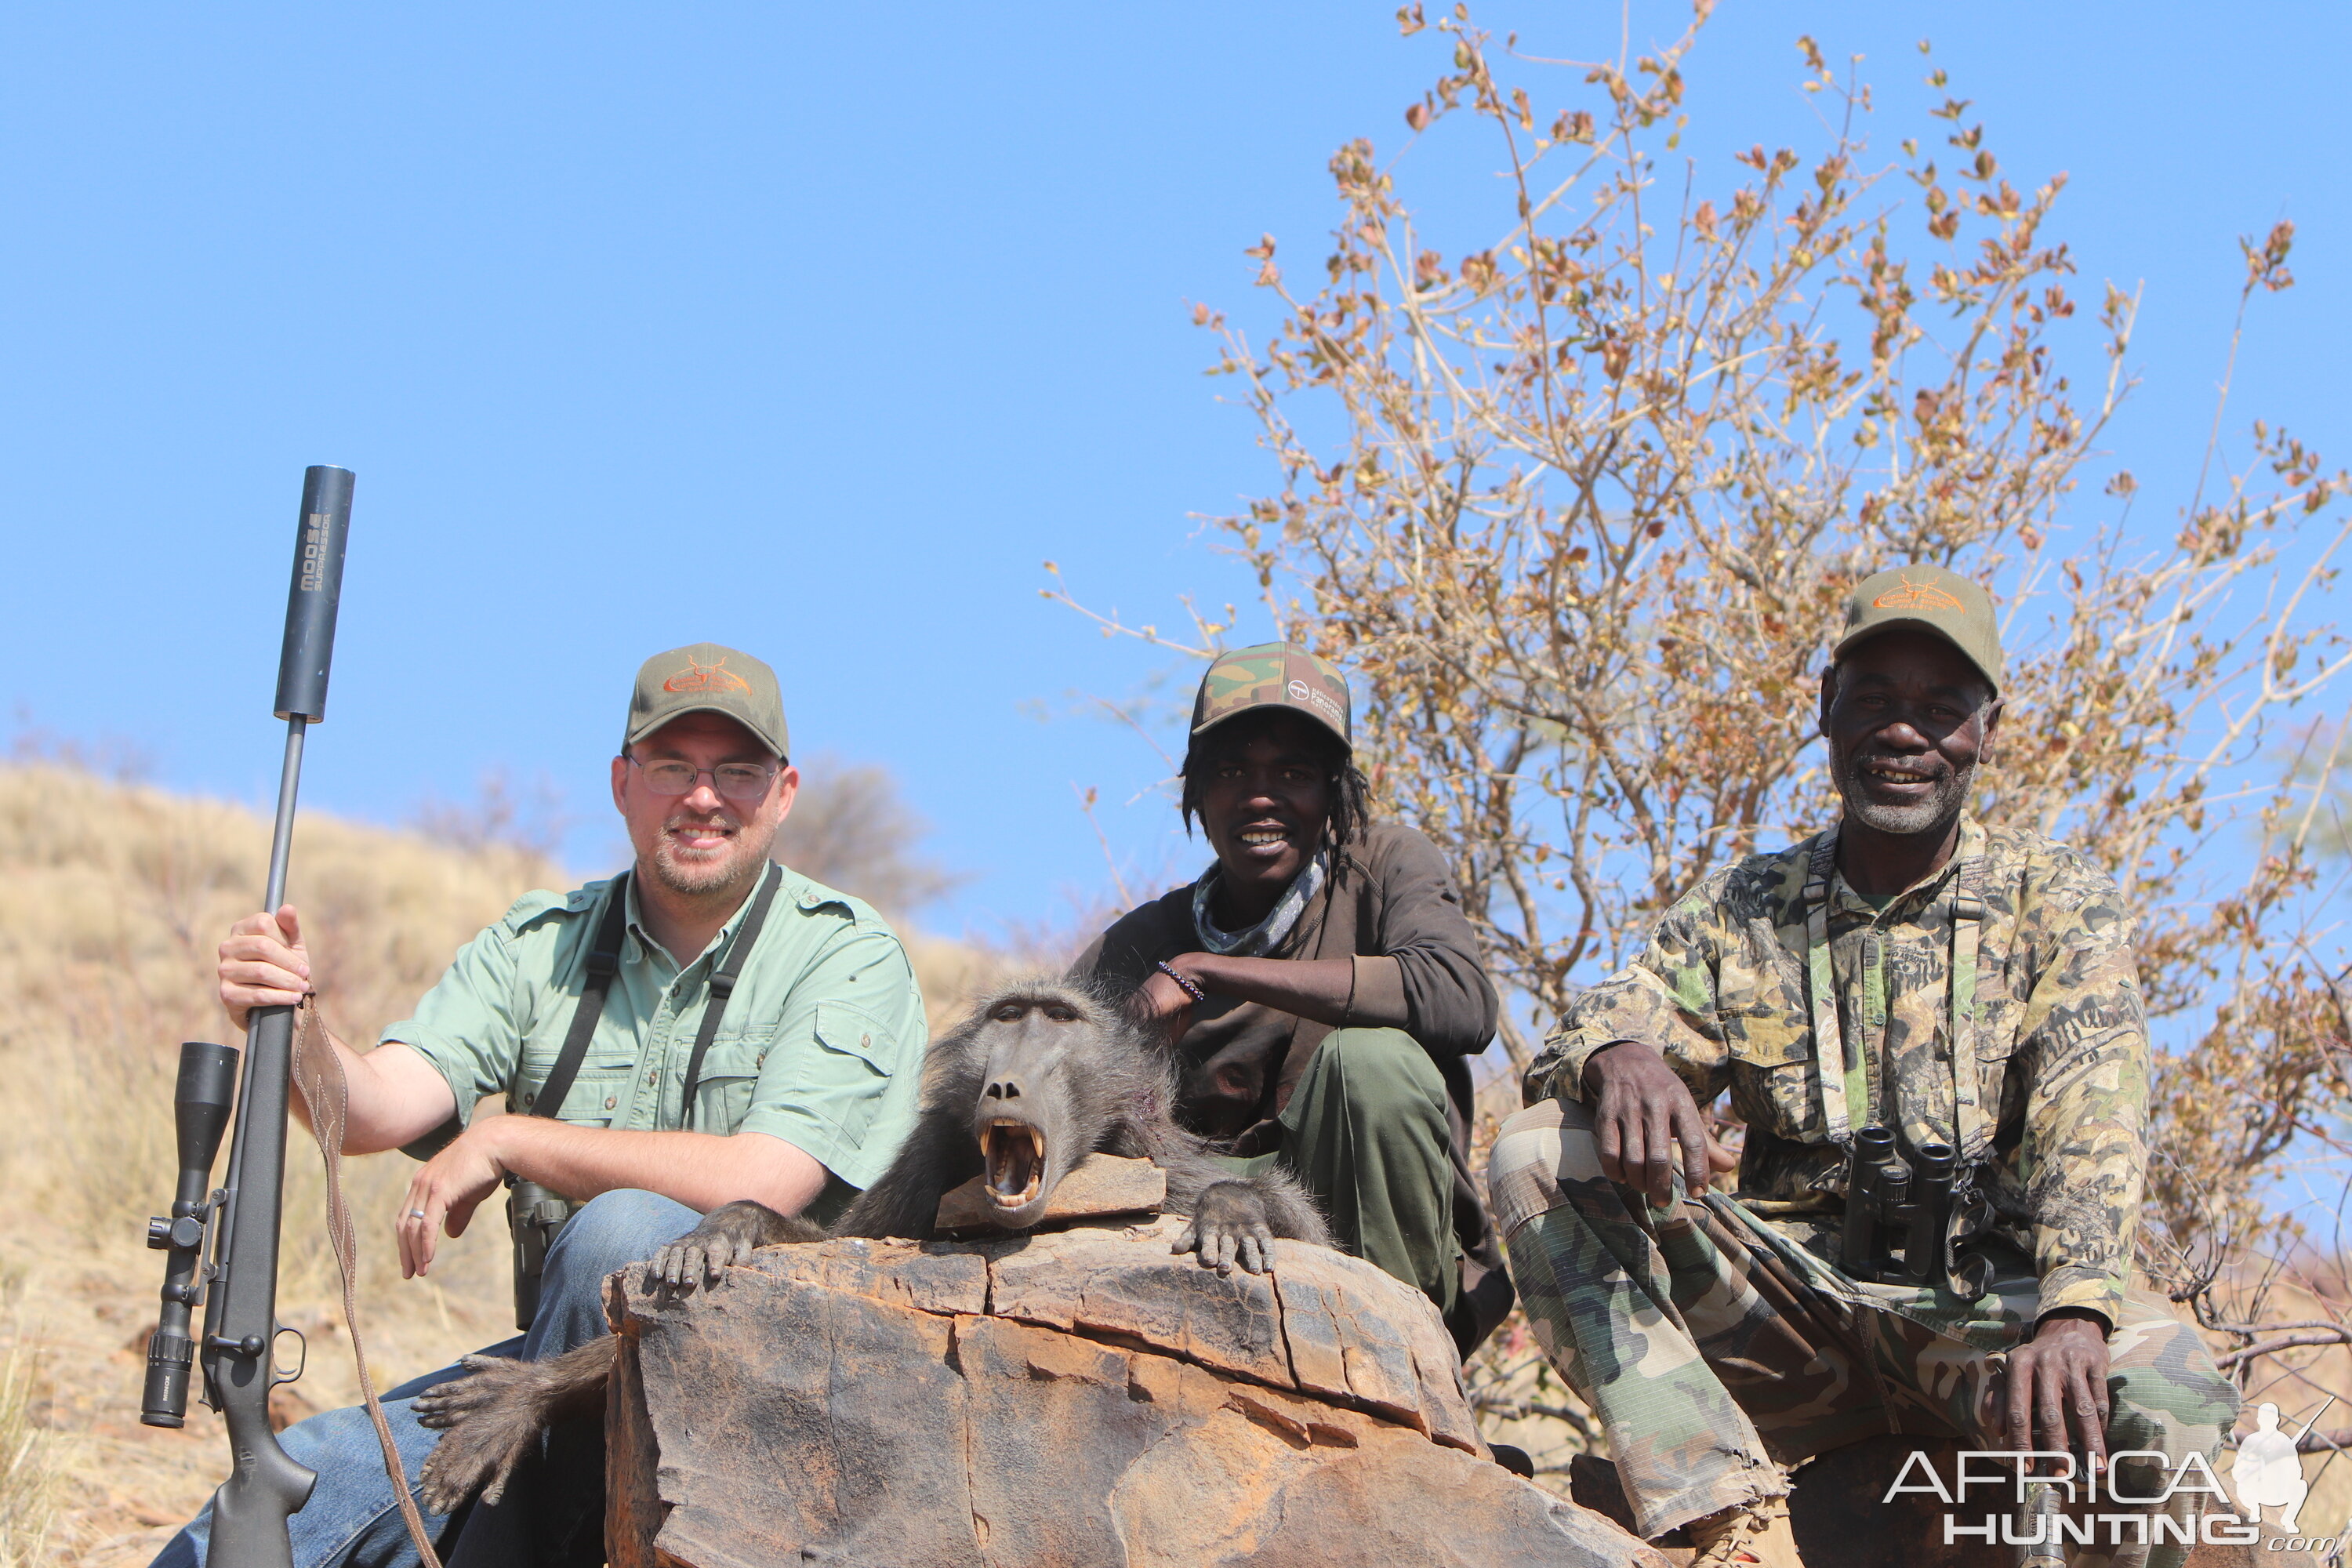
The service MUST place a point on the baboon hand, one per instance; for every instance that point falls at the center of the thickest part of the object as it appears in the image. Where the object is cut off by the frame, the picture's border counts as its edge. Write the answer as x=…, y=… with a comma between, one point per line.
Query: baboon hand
x=1229, y=1225
x=726, y=1235
x=488, y=1421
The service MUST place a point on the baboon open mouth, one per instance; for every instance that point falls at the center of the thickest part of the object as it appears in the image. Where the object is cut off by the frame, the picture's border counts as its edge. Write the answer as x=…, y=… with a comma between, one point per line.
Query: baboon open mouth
x=1016, y=1155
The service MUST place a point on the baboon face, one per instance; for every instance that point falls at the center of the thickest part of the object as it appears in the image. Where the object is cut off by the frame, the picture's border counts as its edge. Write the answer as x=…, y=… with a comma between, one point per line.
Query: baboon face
x=1026, y=1121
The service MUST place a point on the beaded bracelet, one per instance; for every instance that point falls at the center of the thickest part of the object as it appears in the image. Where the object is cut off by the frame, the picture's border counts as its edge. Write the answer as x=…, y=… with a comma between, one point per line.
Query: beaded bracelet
x=1192, y=989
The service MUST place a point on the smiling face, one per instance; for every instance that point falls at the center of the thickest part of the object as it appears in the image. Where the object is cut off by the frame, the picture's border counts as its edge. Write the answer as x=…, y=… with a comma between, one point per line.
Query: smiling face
x=1266, y=797
x=701, y=843
x=1907, y=719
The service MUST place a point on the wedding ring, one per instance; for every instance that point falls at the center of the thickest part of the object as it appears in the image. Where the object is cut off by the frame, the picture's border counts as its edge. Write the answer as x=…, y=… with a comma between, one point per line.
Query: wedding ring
x=416, y=1214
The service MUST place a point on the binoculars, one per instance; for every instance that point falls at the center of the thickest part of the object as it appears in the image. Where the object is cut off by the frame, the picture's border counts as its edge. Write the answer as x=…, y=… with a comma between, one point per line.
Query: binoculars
x=534, y=1216
x=200, y=1109
x=1890, y=1202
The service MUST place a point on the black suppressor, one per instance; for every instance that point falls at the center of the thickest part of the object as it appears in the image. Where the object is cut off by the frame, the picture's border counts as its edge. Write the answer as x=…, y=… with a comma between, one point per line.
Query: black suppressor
x=315, y=593
x=200, y=1103
x=1889, y=1201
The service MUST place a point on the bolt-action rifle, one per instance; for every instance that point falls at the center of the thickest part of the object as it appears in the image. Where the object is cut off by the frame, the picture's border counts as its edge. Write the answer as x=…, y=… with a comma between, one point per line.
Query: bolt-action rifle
x=223, y=1246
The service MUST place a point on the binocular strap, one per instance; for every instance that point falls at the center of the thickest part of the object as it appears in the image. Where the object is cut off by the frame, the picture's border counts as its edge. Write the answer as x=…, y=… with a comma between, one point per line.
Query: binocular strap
x=1846, y=1080
x=318, y=1074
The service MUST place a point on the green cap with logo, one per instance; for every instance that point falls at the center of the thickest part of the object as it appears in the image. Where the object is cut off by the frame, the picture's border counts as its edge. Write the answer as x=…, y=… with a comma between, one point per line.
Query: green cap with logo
x=1931, y=599
x=1272, y=675
x=704, y=677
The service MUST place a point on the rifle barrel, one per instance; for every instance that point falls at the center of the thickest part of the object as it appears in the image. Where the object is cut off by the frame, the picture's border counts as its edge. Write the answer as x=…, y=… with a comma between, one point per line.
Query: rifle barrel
x=265, y=1485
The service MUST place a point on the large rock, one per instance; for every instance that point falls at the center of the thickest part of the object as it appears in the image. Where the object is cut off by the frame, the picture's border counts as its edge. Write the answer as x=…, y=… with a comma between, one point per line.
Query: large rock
x=1066, y=1398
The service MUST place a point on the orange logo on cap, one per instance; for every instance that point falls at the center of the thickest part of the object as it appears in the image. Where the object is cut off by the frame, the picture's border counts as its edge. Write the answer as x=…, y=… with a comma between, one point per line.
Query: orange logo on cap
x=706, y=677
x=1916, y=596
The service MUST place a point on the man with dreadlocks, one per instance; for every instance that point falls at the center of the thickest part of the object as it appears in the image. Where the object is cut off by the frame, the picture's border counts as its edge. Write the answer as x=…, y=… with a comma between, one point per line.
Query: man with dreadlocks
x=1320, y=983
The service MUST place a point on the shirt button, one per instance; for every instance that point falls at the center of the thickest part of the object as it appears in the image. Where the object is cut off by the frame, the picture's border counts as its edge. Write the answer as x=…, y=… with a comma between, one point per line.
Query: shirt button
x=865, y=1042
x=609, y=1102
x=651, y=1075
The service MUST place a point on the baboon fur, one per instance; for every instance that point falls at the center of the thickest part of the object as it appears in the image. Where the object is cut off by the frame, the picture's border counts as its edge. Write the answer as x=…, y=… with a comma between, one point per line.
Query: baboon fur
x=1040, y=1075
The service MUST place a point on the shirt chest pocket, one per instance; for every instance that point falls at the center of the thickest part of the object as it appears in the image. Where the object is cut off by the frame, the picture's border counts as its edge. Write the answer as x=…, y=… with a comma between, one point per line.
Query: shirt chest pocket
x=853, y=1064
x=730, y=1075
x=599, y=1089
x=1993, y=1048
x=1770, y=1043
x=597, y=1093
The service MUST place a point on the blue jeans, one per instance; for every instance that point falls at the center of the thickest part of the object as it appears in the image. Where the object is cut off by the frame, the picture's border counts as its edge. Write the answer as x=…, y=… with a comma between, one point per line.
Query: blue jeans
x=352, y=1520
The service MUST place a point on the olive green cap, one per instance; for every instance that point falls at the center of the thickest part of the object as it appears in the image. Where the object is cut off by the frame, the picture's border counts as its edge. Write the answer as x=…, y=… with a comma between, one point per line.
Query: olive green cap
x=1932, y=599
x=1273, y=674
x=704, y=677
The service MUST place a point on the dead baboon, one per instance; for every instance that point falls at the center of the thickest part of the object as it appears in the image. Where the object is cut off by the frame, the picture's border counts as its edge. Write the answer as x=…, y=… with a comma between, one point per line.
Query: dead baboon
x=1039, y=1076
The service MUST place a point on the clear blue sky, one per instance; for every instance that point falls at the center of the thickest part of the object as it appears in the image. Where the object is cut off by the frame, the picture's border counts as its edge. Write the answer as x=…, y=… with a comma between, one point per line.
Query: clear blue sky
x=815, y=329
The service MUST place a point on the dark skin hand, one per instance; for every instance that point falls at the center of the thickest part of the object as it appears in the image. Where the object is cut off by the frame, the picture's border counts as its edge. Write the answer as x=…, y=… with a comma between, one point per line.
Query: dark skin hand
x=1907, y=719
x=1641, y=1111
x=2058, y=1381
x=1316, y=988
x=1265, y=803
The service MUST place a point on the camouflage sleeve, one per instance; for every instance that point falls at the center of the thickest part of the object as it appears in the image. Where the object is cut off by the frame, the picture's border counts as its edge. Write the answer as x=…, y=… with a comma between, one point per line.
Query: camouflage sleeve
x=2085, y=1146
x=1664, y=999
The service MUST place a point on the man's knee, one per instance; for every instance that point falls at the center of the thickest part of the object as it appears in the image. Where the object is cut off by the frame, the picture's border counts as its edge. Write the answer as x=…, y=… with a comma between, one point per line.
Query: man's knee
x=1540, y=1154
x=1387, y=1080
x=615, y=1230
x=2164, y=1390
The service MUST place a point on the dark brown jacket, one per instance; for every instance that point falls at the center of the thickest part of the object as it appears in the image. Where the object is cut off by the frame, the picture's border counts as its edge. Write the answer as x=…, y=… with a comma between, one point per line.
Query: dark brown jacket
x=1391, y=906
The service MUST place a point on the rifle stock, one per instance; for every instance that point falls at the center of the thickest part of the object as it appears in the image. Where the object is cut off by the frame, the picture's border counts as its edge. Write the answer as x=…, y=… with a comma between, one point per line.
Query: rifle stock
x=239, y=1285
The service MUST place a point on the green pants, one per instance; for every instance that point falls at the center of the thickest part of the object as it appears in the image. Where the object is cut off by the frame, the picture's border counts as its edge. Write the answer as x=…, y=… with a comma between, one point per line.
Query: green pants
x=1365, y=1132
x=1715, y=1348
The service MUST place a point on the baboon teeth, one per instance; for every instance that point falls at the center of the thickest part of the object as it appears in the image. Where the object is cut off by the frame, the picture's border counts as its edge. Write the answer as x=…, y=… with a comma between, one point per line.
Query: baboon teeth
x=1014, y=1153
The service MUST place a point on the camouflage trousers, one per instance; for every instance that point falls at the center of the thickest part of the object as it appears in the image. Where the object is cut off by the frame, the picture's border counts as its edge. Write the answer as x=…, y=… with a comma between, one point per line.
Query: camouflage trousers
x=1716, y=1347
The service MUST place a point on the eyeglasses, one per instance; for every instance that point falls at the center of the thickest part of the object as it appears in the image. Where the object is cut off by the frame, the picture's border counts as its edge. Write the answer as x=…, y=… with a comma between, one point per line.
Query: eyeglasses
x=736, y=780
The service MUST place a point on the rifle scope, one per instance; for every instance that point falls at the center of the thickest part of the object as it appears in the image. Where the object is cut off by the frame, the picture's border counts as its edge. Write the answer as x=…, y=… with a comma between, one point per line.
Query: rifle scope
x=200, y=1110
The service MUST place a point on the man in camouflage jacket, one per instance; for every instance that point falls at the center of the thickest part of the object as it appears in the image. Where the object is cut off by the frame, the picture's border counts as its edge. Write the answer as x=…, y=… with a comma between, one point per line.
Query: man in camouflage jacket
x=1826, y=988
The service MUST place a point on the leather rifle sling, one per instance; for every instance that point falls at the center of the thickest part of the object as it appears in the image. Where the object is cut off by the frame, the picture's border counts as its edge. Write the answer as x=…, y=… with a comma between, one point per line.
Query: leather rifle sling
x=722, y=987
x=318, y=1075
x=603, y=962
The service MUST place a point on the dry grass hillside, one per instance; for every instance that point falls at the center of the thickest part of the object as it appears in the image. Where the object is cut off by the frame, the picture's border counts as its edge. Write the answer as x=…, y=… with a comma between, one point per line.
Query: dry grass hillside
x=112, y=898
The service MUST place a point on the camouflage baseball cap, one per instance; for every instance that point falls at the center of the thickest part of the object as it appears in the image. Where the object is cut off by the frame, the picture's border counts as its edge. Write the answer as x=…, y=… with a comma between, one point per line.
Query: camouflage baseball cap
x=1272, y=675
x=1932, y=599
x=704, y=677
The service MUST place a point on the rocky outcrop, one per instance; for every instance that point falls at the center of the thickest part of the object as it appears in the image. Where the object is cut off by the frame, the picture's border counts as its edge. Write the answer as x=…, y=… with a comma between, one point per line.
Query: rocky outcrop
x=1066, y=1398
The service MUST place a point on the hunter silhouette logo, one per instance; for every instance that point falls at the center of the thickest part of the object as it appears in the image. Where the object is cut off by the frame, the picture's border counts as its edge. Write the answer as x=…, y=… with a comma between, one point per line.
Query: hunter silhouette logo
x=698, y=676
x=1915, y=596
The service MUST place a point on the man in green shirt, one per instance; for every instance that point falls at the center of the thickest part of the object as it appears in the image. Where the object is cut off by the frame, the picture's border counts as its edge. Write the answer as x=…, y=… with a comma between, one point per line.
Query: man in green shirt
x=759, y=1037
